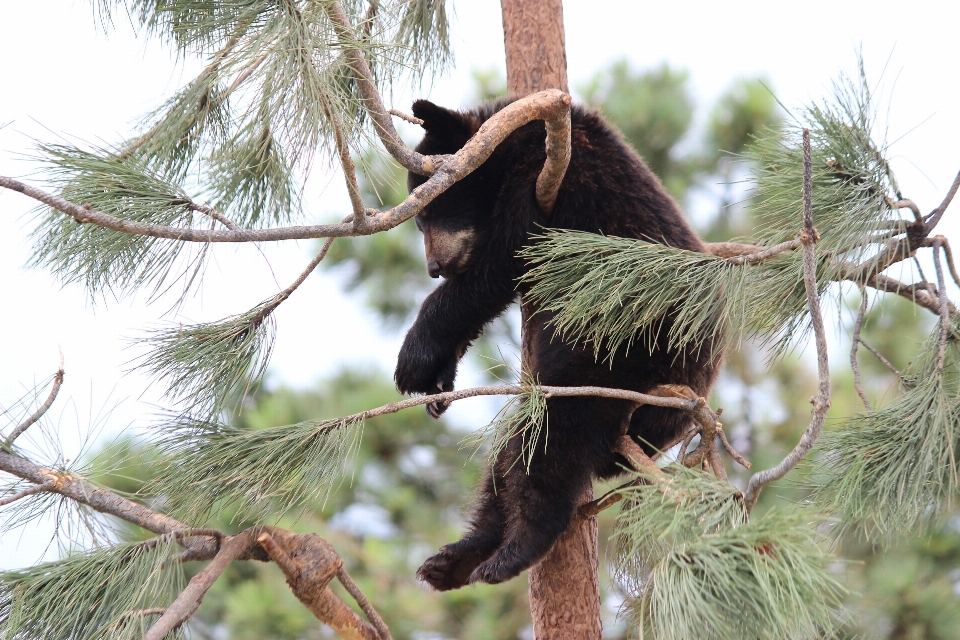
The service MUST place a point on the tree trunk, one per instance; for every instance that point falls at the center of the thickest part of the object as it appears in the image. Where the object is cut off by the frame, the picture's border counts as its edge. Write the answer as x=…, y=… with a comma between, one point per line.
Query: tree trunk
x=564, y=586
x=533, y=39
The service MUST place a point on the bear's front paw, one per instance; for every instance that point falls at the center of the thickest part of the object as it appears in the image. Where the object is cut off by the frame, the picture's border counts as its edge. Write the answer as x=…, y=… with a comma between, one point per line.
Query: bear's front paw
x=425, y=370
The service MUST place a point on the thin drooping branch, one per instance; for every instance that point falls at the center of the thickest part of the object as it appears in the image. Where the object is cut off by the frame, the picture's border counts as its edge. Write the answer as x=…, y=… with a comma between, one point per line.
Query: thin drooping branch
x=405, y=116
x=349, y=171
x=216, y=215
x=945, y=245
x=743, y=462
x=42, y=409
x=190, y=598
x=546, y=105
x=855, y=342
x=944, y=311
x=821, y=403
x=934, y=217
x=364, y=603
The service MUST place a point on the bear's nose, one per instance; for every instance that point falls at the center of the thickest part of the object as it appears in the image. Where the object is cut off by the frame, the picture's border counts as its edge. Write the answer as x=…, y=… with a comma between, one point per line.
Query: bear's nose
x=433, y=268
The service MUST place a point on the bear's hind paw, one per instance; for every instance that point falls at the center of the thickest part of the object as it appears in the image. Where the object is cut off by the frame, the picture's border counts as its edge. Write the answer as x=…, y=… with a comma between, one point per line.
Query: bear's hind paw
x=448, y=569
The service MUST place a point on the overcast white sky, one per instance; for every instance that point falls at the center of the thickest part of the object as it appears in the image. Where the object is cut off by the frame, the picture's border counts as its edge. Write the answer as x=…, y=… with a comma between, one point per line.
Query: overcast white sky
x=62, y=76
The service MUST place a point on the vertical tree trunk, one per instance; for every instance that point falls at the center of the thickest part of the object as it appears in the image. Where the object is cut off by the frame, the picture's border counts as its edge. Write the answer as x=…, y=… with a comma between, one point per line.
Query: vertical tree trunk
x=564, y=586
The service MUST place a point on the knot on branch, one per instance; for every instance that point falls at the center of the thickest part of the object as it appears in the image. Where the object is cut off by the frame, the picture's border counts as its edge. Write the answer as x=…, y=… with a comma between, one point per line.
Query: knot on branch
x=53, y=480
x=811, y=236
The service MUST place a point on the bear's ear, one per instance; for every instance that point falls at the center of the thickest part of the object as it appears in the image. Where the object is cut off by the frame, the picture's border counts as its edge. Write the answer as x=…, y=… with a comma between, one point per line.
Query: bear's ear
x=444, y=123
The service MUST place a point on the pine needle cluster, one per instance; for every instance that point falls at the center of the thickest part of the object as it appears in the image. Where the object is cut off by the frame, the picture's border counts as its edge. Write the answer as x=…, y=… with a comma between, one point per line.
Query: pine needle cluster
x=894, y=471
x=694, y=566
x=95, y=595
x=523, y=416
x=210, y=466
x=207, y=365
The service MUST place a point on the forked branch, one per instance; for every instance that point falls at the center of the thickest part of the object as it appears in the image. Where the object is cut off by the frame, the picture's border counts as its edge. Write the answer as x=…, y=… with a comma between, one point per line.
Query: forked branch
x=821, y=402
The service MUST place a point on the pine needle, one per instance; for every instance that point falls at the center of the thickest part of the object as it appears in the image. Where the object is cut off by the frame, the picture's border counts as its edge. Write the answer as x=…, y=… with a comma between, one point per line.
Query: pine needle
x=211, y=466
x=695, y=567
x=91, y=595
x=895, y=471
x=207, y=365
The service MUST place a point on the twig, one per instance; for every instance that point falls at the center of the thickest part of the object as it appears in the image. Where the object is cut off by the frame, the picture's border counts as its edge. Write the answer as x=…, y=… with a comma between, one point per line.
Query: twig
x=349, y=171
x=759, y=256
x=216, y=215
x=853, y=348
x=821, y=403
x=906, y=203
x=26, y=424
x=548, y=104
x=681, y=454
x=944, y=312
x=715, y=462
x=945, y=245
x=136, y=613
x=190, y=598
x=743, y=462
x=405, y=116
x=881, y=358
x=607, y=500
x=364, y=604
x=636, y=456
x=29, y=491
x=934, y=217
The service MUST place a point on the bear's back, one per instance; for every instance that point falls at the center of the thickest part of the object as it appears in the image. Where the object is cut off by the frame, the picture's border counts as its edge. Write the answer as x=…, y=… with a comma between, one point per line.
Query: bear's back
x=607, y=188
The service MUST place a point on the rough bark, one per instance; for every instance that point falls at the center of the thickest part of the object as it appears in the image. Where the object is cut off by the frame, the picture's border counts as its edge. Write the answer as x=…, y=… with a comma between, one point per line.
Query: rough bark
x=534, y=43
x=564, y=586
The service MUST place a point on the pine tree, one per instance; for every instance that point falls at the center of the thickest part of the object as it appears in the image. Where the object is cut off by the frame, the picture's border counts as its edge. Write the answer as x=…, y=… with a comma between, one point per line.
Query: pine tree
x=223, y=161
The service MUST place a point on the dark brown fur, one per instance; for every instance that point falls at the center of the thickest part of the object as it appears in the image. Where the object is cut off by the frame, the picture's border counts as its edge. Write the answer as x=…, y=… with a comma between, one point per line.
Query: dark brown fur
x=607, y=189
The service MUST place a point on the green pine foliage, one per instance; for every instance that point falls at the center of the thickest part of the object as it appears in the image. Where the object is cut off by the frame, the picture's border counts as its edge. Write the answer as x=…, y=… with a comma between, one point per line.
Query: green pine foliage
x=208, y=466
x=93, y=595
x=894, y=471
x=207, y=365
x=695, y=566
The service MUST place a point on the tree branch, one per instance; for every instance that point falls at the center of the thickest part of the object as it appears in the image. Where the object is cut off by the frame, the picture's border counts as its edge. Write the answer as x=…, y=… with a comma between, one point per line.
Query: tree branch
x=558, y=158
x=547, y=105
x=944, y=311
x=821, y=403
x=881, y=358
x=29, y=491
x=190, y=598
x=934, y=217
x=26, y=424
x=855, y=342
x=364, y=604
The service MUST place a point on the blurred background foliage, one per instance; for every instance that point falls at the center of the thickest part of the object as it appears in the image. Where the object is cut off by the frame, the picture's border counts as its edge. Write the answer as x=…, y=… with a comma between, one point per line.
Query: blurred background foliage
x=411, y=479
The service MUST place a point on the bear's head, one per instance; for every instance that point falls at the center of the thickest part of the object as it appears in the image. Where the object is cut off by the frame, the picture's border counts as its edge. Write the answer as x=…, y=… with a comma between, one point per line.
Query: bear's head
x=452, y=224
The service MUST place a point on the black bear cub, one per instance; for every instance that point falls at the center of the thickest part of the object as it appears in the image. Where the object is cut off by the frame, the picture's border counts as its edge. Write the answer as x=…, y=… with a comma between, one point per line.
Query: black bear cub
x=472, y=234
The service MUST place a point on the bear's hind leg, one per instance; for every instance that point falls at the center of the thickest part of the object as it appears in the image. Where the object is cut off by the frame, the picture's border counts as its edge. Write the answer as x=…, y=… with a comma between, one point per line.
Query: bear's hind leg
x=452, y=566
x=540, y=504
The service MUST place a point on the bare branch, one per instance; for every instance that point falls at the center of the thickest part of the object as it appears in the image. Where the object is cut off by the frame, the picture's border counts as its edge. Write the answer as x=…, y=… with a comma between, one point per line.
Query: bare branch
x=216, y=215
x=26, y=424
x=944, y=311
x=945, y=245
x=190, y=598
x=309, y=564
x=548, y=104
x=372, y=101
x=29, y=491
x=406, y=116
x=821, y=403
x=743, y=462
x=364, y=604
x=934, y=217
x=349, y=171
x=635, y=455
x=607, y=500
x=759, y=255
x=855, y=342
x=558, y=159
x=906, y=203
x=881, y=358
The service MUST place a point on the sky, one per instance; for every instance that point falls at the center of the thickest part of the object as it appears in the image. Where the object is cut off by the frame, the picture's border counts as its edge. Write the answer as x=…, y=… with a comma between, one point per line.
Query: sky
x=64, y=77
